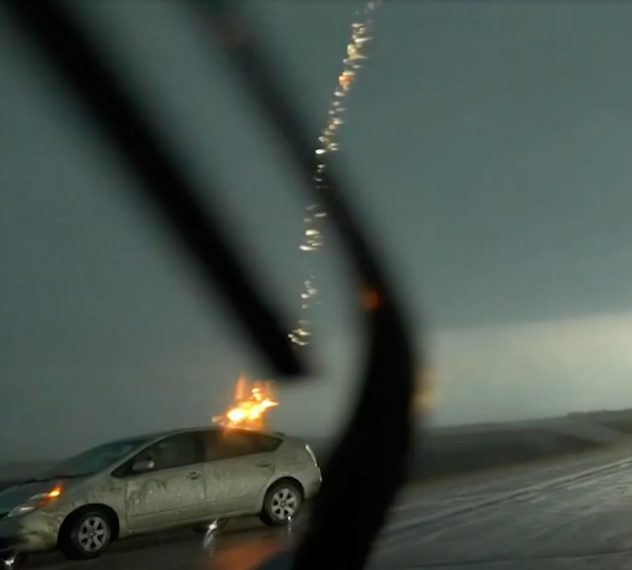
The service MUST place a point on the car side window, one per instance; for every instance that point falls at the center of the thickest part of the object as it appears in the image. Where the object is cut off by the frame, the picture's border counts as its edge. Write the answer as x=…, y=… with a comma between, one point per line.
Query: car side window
x=227, y=444
x=175, y=451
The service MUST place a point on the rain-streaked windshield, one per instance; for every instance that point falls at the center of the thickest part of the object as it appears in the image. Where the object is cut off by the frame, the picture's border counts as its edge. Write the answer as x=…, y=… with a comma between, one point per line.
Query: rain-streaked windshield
x=159, y=246
x=97, y=458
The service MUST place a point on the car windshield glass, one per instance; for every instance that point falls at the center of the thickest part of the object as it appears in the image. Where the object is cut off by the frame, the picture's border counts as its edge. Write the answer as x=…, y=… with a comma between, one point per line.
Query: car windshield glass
x=97, y=458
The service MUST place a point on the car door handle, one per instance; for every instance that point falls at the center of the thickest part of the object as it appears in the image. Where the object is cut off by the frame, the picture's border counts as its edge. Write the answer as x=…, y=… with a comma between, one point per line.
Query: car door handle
x=264, y=463
x=193, y=475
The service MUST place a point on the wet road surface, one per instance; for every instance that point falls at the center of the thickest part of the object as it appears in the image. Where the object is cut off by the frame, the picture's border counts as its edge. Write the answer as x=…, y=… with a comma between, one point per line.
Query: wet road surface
x=575, y=514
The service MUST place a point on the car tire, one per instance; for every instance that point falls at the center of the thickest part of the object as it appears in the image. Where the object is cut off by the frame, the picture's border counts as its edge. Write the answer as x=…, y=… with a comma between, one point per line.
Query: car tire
x=86, y=534
x=282, y=503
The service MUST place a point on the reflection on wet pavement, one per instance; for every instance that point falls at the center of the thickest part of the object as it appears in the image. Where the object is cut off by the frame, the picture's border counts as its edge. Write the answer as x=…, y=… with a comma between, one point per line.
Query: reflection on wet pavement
x=245, y=556
x=244, y=545
x=249, y=555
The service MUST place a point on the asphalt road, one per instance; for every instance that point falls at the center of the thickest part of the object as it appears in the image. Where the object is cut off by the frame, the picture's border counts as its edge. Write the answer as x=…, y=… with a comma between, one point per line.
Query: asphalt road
x=573, y=514
x=578, y=515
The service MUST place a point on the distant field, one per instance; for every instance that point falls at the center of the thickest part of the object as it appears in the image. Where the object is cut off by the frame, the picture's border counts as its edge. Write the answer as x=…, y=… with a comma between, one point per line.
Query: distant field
x=442, y=455
x=18, y=470
x=470, y=449
x=12, y=472
x=620, y=420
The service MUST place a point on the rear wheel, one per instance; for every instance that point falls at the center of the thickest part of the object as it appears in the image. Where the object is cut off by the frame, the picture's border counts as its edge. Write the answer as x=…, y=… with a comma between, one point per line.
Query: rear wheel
x=282, y=503
x=86, y=534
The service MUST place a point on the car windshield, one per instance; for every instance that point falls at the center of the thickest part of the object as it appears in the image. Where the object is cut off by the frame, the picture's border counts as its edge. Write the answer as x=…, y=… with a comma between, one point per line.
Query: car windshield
x=96, y=458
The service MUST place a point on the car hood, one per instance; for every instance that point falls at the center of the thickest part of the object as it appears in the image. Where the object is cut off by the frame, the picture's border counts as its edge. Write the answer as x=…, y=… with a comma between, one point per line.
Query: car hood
x=21, y=493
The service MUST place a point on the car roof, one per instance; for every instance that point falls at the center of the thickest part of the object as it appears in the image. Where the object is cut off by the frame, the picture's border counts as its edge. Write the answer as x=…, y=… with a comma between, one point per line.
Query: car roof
x=270, y=433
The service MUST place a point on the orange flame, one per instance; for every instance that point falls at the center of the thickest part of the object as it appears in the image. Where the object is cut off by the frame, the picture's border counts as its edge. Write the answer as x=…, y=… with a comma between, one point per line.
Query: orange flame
x=251, y=402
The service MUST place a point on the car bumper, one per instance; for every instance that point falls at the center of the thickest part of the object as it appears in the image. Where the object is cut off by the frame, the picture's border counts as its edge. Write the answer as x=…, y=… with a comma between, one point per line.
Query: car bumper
x=27, y=534
x=312, y=484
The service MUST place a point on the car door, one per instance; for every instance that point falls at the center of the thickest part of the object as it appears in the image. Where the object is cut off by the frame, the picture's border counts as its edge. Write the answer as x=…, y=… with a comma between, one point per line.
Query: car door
x=239, y=466
x=171, y=490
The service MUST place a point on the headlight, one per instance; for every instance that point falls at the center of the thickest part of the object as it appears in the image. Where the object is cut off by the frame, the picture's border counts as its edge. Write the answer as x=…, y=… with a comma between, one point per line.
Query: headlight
x=22, y=510
x=35, y=502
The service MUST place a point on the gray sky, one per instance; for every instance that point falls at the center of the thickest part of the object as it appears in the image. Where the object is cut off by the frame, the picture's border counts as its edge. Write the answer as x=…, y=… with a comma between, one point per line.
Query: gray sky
x=491, y=146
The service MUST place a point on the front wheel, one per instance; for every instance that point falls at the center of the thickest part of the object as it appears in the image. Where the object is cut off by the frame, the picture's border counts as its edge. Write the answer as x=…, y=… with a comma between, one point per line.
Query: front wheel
x=85, y=535
x=282, y=503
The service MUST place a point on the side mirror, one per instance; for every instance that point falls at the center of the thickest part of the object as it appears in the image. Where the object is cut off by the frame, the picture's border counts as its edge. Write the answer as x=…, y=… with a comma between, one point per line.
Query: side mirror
x=142, y=466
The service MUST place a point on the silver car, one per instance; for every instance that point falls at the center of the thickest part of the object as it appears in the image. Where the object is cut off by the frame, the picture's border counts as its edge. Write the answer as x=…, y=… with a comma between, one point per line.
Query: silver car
x=157, y=482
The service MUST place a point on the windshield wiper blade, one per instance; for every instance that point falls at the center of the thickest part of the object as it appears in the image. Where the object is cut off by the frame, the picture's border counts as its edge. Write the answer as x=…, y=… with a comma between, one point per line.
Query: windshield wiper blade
x=342, y=539
x=161, y=180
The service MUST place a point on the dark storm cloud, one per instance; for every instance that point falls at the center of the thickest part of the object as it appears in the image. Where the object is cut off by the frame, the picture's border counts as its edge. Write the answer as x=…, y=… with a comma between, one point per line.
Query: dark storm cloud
x=491, y=143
